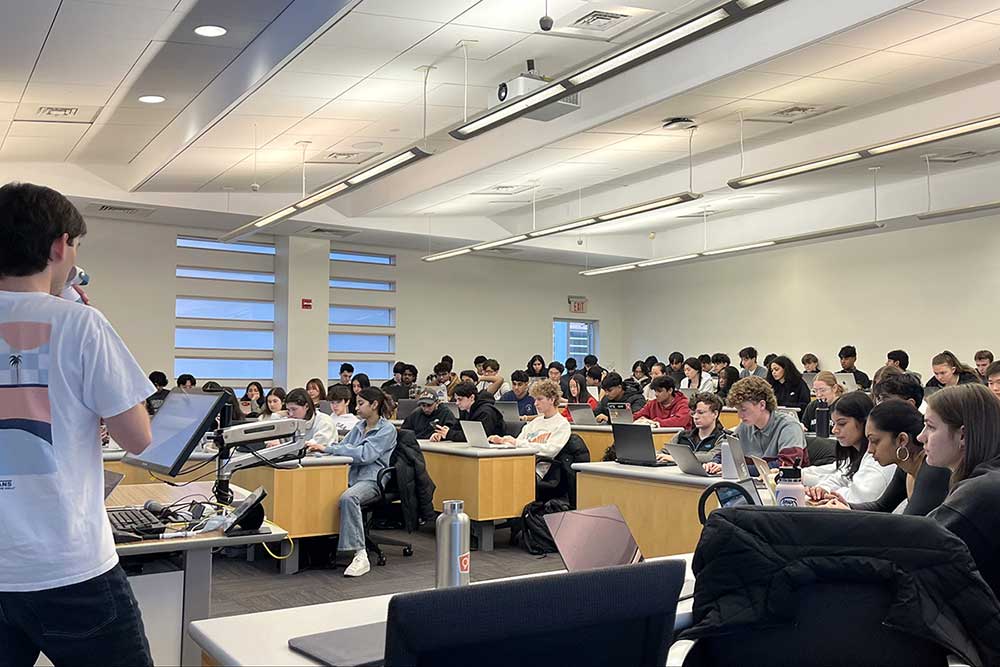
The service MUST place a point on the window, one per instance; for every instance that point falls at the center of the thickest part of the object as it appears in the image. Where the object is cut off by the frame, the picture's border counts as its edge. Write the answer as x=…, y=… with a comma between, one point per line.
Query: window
x=223, y=339
x=573, y=338
x=371, y=343
x=228, y=369
x=358, y=283
x=366, y=316
x=219, y=274
x=361, y=258
x=205, y=244
x=224, y=309
x=375, y=370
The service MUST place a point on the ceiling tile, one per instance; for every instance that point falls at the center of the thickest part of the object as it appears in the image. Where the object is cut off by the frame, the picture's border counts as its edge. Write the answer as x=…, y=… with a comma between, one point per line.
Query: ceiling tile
x=827, y=91
x=389, y=145
x=179, y=72
x=7, y=110
x=553, y=55
x=362, y=31
x=113, y=143
x=84, y=23
x=385, y=90
x=674, y=141
x=745, y=84
x=237, y=131
x=965, y=9
x=439, y=10
x=64, y=131
x=651, y=118
x=10, y=91
x=408, y=123
x=588, y=141
x=453, y=95
x=318, y=59
x=329, y=127
x=951, y=39
x=301, y=84
x=141, y=114
x=448, y=70
x=812, y=59
x=262, y=103
x=486, y=42
x=519, y=16
x=35, y=149
x=985, y=52
x=68, y=94
x=893, y=29
x=872, y=67
x=22, y=33
x=102, y=62
x=992, y=17
x=931, y=70
x=357, y=109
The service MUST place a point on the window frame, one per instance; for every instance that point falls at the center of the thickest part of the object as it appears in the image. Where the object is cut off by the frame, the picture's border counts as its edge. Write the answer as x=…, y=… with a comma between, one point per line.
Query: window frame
x=224, y=319
x=181, y=267
x=391, y=259
x=262, y=248
x=390, y=309
x=377, y=281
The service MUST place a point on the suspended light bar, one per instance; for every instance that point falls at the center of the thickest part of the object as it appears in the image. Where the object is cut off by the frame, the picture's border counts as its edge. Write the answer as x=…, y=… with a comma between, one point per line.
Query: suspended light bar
x=508, y=112
x=500, y=242
x=652, y=206
x=322, y=195
x=448, y=254
x=666, y=260
x=938, y=135
x=964, y=210
x=739, y=248
x=785, y=172
x=386, y=166
x=569, y=226
x=274, y=217
x=608, y=269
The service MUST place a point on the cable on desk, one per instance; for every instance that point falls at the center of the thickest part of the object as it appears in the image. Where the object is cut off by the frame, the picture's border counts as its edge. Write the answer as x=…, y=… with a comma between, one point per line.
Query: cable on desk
x=290, y=551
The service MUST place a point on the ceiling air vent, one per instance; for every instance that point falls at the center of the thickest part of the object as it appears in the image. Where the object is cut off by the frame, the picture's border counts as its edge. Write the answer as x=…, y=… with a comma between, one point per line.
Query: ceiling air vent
x=333, y=232
x=963, y=156
x=345, y=157
x=602, y=21
x=794, y=114
x=51, y=113
x=61, y=113
x=700, y=215
x=112, y=211
x=505, y=190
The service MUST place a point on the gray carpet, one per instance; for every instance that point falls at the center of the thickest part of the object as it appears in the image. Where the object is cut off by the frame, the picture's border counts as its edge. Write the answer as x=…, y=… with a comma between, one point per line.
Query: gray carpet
x=241, y=587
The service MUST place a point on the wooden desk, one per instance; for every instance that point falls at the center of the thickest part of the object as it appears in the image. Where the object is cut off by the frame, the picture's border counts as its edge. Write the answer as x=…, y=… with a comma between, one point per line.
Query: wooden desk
x=136, y=475
x=196, y=552
x=660, y=505
x=729, y=418
x=304, y=500
x=494, y=483
x=598, y=438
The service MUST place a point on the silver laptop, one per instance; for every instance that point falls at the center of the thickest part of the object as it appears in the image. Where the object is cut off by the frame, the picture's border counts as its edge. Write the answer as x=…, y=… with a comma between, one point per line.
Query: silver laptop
x=809, y=377
x=453, y=407
x=687, y=392
x=686, y=460
x=846, y=380
x=405, y=407
x=509, y=411
x=595, y=392
x=621, y=413
x=582, y=414
x=475, y=436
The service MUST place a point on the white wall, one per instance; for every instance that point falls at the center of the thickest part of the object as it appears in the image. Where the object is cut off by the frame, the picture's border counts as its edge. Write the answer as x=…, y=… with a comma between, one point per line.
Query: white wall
x=922, y=290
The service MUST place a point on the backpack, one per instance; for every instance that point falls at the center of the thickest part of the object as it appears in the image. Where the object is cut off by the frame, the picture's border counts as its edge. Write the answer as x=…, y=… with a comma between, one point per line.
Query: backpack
x=531, y=531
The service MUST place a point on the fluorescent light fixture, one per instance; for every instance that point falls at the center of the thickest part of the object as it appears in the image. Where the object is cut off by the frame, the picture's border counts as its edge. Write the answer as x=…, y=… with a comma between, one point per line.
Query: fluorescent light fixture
x=152, y=99
x=505, y=112
x=964, y=210
x=665, y=260
x=747, y=4
x=738, y=248
x=325, y=193
x=447, y=254
x=500, y=242
x=825, y=233
x=274, y=217
x=648, y=48
x=785, y=172
x=609, y=269
x=645, y=208
x=210, y=31
x=558, y=229
x=385, y=166
x=928, y=137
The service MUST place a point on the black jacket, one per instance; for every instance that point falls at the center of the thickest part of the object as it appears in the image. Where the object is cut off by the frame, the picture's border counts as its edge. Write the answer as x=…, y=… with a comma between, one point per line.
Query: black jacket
x=808, y=416
x=420, y=423
x=414, y=485
x=560, y=480
x=751, y=562
x=792, y=396
x=964, y=377
x=635, y=400
x=483, y=410
x=705, y=450
x=929, y=490
x=971, y=512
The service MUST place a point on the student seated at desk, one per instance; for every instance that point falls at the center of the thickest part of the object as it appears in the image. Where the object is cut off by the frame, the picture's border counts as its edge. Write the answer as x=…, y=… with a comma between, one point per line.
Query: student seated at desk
x=903, y=386
x=369, y=444
x=983, y=359
x=254, y=395
x=490, y=379
x=848, y=357
x=595, y=376
x=728, y=376
x=472, y=406
x=578, y=395
x=810, y=363
x=359, y=383
x=316, y=390
x=748, y=360
x=470, y=376
x=397, y=376
x=340, y=403
x=676, y=361
x=892, y=430
x=901, y=360
x=615, y=392
x=668, y=409
x=274, y=405
x=962, y=433
x=856, y=477
x=789, y=389
x=186, y=381
x=827, y=390
x=319, y=428
x=993, y=378
x=703, y=438
x=429, y=413
x=949, y=371
x=444, y=380
x=549, y=432
x=536, y=367
x=153, y=403
x=519, y=394
x=640, y=373
x=720, y=360
x=695, y=378
x=656, y=370
x=555, y=371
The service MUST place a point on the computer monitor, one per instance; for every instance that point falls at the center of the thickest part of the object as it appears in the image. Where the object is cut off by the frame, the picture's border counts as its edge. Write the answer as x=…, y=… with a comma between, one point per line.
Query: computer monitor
x=178, y=427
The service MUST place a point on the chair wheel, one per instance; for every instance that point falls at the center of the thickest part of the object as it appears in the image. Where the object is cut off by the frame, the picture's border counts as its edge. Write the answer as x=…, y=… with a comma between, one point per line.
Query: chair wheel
x=381, y=560
x=407, y=552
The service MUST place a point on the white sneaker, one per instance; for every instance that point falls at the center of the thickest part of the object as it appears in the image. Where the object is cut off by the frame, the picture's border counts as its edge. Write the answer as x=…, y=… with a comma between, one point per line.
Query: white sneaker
x=359, y=565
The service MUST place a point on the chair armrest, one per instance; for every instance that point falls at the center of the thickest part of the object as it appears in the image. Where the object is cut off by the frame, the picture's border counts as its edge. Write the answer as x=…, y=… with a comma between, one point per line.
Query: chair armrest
x=679, y=651
x=384, y=475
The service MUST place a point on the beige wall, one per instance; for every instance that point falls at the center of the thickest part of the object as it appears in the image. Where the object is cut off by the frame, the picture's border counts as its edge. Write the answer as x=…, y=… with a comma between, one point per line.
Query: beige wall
x=922, y=290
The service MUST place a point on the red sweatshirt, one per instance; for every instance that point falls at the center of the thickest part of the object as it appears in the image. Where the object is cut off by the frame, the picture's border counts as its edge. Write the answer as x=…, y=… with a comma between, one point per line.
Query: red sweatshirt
x=676, y=413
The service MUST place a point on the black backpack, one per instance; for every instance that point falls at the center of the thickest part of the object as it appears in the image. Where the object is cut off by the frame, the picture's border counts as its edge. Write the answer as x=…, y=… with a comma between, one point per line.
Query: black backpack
x=531, y=531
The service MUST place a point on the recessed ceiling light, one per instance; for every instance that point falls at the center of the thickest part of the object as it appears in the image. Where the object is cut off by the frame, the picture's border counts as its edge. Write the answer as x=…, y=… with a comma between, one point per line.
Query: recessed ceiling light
x=152, y=99
x=210, y=31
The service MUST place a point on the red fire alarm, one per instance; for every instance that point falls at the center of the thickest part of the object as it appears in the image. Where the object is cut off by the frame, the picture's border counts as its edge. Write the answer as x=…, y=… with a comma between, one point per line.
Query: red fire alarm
x=307, y=304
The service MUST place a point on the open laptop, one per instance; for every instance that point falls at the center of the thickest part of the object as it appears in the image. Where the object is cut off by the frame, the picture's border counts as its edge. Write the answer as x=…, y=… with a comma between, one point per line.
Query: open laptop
x=475, y=436
x=846, y=380
x=634, y=445
x=582, y=414
x=509, y=411
x=405, y=407
x=809, y=377
x=688, y=392
x=686, y=460
x=453, y=407
x=621, y=413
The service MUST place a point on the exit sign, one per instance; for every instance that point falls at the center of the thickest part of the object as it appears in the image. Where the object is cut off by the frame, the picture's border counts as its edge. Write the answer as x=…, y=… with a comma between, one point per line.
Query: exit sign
x=307, y=304
x=577, y=304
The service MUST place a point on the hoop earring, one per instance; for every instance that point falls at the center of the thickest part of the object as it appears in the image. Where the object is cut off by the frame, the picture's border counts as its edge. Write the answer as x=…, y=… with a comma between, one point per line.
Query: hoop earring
x=903, y=459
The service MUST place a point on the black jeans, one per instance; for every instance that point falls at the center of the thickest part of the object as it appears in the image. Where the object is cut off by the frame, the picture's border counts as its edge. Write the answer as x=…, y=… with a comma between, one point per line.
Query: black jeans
x=95, y=622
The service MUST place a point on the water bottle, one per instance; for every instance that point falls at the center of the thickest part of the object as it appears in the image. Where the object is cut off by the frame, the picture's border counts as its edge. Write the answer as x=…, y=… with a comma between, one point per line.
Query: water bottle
x=789, y=491
x=77, y=276
x=452, y=536
x=822, y=420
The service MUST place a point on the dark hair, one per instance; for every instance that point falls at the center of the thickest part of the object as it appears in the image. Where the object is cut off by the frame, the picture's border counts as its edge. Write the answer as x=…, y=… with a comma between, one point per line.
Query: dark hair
x=676, y=358
x=662, y=366
x=361, y=379
x=375, y=395
x=695, y=364
x=792, y=375
x=768, y=359
x=705, y=359
x=848, y=351
x=158, y=378
x=469, y=374
x=992, y=369
x=32, y=217
x=854, y=405
x=531, y=362
x=595, y=372
x=748, y=353
x=440, y=368
x=720, y=358
x=641, y=365
x=903, y=386
x=448, y=360
x=275, y=391
x=900, y=357
x=465, y=390
x=896, y=416
x=650, y=360
x=708, y=399
x=479, y=360
x=211, y=386
x=413, y=370
x=612, y=380
x=491, y=364
x=301, y=397
x=984, y=354
x=398, y=367
x=948, y=358
x=556, y=365
x=184, y=378
x=320, y=387
x=260, y=391
x=728, y=376
x=518, y=376
x=663, y=382
x=346, y=368
x=978, y=410
x=340, y=392
x=571, y=363
x=581, y=385
x=809, y=358
x=590, y=360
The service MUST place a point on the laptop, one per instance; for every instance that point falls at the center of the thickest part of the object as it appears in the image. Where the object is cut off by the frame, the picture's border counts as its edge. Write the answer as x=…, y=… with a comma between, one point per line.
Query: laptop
x=595, y=392
x=582, y=414
x=405, y=407
x=509, y=411
x=453, y=407
x=475, y=436
x=634, y=445
x=686, y=460
x=111, y=481
x=621, y=413
x=846, y=380
x=809, y=377
x=688, y=392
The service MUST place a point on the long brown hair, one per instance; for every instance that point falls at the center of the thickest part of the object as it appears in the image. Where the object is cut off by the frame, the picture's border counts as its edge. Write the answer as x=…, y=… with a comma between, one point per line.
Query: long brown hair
x=948, y=358
x=978, y=410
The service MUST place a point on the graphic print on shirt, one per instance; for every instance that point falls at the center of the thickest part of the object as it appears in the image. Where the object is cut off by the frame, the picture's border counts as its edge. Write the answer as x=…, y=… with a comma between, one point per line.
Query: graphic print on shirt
x=25, y=411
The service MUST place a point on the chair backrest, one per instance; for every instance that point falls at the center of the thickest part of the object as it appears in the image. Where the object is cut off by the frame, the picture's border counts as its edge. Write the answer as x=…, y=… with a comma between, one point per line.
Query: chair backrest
x=619, y=615
x=821, y=450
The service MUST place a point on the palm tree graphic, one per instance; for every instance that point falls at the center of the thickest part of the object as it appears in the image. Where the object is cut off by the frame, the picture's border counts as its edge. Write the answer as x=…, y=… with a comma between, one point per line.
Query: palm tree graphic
x=15, y=363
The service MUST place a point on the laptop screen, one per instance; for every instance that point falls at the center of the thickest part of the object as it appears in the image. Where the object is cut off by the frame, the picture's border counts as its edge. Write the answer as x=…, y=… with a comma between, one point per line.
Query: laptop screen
x=593, y=538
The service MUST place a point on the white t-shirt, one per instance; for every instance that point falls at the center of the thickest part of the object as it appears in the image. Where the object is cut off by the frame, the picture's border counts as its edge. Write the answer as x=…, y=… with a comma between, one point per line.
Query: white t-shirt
x=345, y=422
x=548, y=435
x=72, y=370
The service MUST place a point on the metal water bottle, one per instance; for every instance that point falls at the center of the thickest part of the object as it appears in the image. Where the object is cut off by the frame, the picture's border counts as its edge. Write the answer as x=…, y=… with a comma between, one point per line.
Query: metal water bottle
x=822, y=420
x=452, y=536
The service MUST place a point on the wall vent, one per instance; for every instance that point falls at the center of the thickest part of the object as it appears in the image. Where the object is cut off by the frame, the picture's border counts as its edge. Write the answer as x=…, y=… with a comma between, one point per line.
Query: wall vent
x=121, y=212
x=794, y=114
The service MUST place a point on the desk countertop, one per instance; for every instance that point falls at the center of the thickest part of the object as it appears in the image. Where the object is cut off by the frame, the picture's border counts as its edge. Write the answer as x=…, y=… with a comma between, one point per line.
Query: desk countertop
x=606, y=428
x=461, y=449
x=668, y=474
x=112, y=455
x=262, y=638
x=307, y=461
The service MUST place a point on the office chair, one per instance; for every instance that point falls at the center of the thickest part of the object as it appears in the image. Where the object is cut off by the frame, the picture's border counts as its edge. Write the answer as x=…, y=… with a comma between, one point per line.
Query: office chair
x=560, y=480
x=821, y=450
x=609, y=616
x=388, y=495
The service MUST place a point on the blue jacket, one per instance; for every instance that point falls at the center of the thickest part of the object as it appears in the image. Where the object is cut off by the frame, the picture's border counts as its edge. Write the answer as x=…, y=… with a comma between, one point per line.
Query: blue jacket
x=370, y=451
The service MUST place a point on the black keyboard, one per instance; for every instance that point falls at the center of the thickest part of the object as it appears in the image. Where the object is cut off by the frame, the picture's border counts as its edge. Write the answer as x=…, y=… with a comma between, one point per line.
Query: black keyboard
x=135, y=520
